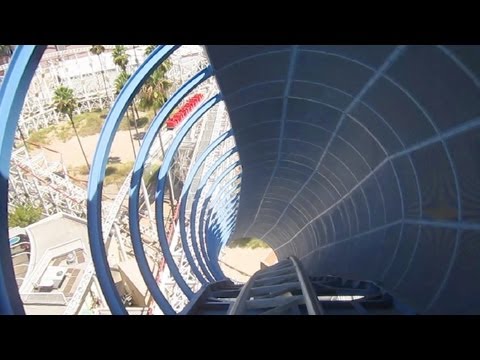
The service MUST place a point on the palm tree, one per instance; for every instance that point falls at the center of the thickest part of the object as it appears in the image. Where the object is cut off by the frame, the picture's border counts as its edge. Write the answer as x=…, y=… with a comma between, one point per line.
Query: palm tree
x=120, y=57
x=152, y=96
x=149, y=49
x=99, y=50
x=154, y=92
x=119, y=83
x=19, y=129
x=65, y=103
x=135, y=54
x=6, y=50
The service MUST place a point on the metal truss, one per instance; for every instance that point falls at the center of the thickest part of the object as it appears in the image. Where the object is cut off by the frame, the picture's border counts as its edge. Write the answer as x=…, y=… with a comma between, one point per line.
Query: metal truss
x=48, y=185
x=203, y=134
x=35, y=181
x=85, y=72
x=80, y=70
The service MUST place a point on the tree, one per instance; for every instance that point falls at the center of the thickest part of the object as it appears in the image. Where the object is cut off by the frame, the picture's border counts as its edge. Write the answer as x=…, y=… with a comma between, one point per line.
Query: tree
x=149, y=49
x=24, y=215
x=65, y=103
x=99, y=50
x=120, y=81
x=6, y=50
x=154, y=92
x=153, y=95
x=120, y=57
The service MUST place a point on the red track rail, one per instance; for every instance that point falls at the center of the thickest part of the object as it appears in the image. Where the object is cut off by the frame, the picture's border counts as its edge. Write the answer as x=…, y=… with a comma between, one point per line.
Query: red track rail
x=161, y=264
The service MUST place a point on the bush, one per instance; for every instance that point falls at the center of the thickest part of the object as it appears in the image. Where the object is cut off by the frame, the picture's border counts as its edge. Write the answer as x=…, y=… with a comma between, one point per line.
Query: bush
x=125, y=124
x=150, y=174
x=83, y=170
x=24, y=215
x=251, y=243
x=88, y=123
x=116, y=173
x=141, y=122
x=64, y=132
x=41, y=136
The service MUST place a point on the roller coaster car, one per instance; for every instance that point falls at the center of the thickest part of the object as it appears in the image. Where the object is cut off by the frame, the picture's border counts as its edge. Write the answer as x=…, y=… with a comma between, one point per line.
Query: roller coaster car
x=183, y=112
x=171, y=124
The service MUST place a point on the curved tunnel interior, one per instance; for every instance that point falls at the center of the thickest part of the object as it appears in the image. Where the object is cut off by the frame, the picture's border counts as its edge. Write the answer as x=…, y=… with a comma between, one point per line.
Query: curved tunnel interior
x=362, y=161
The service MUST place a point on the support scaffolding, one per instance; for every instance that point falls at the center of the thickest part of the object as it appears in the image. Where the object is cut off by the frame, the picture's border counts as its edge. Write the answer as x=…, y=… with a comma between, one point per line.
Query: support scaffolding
x=34, y=180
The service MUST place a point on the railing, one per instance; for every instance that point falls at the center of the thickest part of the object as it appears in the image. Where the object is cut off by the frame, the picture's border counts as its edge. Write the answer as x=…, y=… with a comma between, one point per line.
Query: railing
x=43, y=298
x=311, y=301
x=276, y=288
x=67, y=52
x=76, y=300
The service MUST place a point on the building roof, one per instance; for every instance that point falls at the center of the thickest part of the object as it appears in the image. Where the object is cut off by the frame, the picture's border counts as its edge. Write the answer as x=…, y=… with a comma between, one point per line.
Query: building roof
x=59, y=264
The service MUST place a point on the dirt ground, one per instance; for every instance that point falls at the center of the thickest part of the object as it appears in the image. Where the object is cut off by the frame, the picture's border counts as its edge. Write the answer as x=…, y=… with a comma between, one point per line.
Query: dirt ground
x=72, y=155
x=241, y=263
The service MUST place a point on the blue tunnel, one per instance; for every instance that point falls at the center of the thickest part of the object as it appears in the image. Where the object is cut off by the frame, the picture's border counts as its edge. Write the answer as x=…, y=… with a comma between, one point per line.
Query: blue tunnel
x=362, y=161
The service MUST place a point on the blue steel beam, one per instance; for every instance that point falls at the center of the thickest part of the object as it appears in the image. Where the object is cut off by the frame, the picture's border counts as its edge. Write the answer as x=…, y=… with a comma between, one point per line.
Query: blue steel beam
x=202, y=239
x=12, y=96
x=193, y=213
x=162, y=177
x=226, y=220
x=213, y=216
x=134, y=198
x=220, y=203
x=204, y=224
x=211, y=210
x=228, y=208
x=205, y=244
x=185, y=190
x=97, y=174
x=202, y=229
x=211, y=241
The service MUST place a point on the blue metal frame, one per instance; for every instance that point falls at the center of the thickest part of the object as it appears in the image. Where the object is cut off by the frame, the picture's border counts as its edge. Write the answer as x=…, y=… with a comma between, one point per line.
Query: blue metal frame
x=209, y=239
x=12, y=96
x=228, y=211
x=97, y=174
x=138, y=168
x=198, y=193
x=212, y=211
x=162, y=177
x=204, y=241
x=184, y=194
x=203, y=227
x=228, y=208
